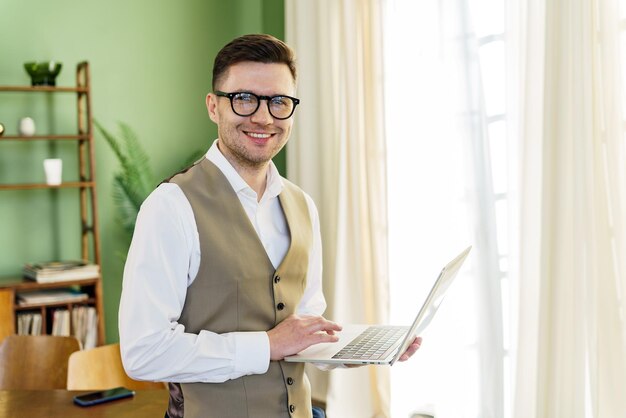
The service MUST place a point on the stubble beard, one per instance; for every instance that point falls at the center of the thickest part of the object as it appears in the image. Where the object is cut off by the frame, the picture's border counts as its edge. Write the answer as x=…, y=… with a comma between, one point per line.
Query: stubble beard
x=243, y=156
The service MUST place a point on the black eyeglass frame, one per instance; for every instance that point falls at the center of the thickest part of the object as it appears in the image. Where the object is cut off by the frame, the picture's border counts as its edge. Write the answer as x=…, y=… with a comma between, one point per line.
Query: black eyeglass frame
x=230, y=96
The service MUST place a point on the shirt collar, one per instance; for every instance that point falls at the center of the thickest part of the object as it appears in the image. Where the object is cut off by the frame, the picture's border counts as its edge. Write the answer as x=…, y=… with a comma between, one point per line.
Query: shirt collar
x=274, y=182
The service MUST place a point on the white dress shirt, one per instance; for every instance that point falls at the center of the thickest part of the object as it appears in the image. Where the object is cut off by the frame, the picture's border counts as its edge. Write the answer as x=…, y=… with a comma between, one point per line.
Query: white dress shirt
x=162, y=263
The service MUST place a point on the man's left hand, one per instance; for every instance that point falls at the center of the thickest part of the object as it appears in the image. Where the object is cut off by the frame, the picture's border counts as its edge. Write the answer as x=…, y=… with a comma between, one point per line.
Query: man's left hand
x=415, y=345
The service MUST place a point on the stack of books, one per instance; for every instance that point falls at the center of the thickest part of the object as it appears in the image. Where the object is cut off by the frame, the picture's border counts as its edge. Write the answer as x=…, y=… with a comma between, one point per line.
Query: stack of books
x=81, y=322
x=60, y=271
x=50, y=296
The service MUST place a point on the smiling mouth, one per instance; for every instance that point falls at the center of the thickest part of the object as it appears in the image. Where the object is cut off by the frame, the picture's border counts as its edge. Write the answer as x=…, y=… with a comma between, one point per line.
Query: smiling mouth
x=259, y=138
x=259, y=135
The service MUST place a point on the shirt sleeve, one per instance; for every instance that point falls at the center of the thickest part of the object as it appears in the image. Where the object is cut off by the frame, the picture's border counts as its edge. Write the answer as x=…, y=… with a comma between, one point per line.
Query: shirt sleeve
x=154, y=345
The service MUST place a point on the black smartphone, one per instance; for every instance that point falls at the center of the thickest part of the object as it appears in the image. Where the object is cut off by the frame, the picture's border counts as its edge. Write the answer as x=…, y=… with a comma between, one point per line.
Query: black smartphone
x=101, y=396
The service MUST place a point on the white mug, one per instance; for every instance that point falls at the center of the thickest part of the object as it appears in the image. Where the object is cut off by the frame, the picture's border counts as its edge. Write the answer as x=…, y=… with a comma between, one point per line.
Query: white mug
x=53, y=168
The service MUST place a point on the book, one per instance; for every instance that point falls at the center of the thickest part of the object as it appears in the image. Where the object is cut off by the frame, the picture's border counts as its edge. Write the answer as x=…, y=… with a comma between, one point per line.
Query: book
x=35, y=328
x=24, y=322
x=29, y=324
x=59, y=271
x=85, y=325
x=61, y=322
x=50, y=296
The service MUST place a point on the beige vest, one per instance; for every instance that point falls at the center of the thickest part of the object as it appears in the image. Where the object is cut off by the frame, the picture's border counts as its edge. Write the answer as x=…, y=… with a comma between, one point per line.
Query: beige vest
x=238, y=289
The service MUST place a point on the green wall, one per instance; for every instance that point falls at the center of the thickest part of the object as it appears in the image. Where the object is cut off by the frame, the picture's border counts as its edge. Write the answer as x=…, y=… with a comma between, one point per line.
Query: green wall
x=150, y=67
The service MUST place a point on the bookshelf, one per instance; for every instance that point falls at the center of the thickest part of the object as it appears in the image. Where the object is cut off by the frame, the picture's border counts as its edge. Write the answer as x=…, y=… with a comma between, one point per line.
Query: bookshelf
x=11, y=287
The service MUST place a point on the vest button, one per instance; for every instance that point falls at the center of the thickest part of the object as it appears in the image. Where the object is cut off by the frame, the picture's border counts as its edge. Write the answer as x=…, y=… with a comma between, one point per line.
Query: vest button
x=292, y=408
x=280, y=306
x=289, y=381
x=276, y=279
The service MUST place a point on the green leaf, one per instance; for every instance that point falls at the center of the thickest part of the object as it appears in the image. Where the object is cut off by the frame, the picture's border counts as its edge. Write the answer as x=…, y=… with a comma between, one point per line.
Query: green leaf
x=134, y=182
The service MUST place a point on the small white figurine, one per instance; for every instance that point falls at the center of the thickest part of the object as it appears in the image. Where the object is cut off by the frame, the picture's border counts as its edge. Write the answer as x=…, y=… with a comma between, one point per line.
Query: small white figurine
x=27, y=127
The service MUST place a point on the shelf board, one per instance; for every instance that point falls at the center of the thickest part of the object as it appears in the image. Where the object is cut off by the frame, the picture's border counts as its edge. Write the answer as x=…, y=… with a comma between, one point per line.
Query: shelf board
x=45, y=137
x=45, y=89
x=75, y=184
x=21, y=283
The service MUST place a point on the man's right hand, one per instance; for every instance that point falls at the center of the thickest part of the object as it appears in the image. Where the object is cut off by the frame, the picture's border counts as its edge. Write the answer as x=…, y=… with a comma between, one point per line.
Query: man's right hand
x=296, y=333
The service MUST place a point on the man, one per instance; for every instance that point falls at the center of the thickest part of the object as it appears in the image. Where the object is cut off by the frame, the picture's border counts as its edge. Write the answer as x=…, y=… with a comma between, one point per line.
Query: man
x=223, y=277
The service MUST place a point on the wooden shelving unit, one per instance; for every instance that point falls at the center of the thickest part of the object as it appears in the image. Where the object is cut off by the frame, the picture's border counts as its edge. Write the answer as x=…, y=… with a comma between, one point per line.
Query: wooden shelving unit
x=44, y=137
x=86, y=184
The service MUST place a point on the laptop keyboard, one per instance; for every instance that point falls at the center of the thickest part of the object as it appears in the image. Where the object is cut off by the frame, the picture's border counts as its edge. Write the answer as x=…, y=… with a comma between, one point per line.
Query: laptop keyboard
x=372, y=343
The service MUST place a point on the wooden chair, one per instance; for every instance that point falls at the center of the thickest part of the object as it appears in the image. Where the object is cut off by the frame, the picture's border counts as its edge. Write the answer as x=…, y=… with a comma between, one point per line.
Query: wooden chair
x=101, y=368
x=35, y=361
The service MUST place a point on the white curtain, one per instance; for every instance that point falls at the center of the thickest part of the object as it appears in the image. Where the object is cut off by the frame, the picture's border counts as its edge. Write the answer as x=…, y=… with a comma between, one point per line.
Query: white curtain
x=442, y=198
x=572, y=249
x=337, y=155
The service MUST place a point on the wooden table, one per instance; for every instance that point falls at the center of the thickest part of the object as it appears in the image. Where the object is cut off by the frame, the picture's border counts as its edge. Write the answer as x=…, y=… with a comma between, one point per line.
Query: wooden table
x=59, y=403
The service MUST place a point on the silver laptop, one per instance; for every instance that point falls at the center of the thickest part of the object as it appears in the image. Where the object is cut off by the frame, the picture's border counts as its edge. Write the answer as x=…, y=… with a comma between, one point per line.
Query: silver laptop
x=382, y=344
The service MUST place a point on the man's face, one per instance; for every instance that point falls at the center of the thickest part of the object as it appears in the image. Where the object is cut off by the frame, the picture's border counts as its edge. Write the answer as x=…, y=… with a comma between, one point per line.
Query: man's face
x=251, y=141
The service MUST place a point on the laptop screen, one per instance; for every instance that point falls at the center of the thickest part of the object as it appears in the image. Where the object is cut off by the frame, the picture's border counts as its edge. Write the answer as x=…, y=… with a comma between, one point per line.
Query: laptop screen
x=433, y=301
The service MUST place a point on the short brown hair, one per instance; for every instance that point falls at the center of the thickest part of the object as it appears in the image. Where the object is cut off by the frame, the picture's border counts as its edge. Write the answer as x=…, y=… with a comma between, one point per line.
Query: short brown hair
x=257, y=48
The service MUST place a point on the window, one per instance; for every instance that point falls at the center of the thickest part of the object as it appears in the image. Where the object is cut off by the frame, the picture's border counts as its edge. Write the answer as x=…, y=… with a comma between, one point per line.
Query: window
x=448, y=181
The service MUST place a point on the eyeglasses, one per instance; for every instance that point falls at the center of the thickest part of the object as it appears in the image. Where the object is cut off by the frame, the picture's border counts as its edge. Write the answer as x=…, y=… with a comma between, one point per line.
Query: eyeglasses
x=246, y=103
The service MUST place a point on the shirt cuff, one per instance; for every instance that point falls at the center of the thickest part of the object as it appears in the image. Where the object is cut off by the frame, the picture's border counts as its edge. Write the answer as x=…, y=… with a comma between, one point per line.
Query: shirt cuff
x=252, y=353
